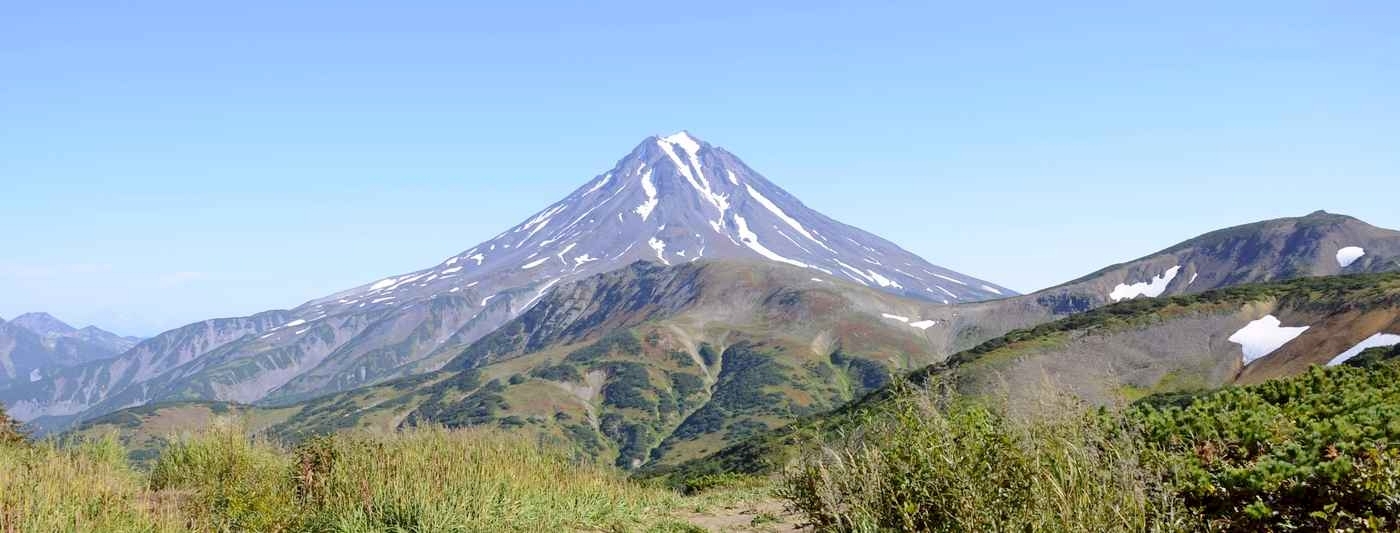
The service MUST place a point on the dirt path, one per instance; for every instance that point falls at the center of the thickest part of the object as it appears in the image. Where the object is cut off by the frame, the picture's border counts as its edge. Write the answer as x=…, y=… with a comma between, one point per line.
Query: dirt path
x=761, y=515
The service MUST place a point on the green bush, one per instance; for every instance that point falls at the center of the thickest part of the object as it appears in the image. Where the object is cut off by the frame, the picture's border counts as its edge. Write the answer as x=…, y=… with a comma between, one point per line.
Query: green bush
x=1316, y=451
x=927, y=464
x=239, y=484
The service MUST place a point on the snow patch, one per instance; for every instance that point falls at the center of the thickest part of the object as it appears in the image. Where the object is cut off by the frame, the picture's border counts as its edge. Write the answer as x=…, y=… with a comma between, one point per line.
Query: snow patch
x=924, y=324
x=585, y=258
x=298, y=322
x=451, y=270
x=1261, y=337
x=904, y=319
x=383, y=283
x=1347, y=256
x=35, y=375
x=535, y=263
x=1150, y=289
x=1375, y=341
x=883, y=281
x=684, y=140
x=660, y=247
x=991, y=289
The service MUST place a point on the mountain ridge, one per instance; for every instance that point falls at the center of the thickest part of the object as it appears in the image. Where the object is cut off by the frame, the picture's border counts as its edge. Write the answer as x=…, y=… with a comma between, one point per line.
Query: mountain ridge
x=672, y=199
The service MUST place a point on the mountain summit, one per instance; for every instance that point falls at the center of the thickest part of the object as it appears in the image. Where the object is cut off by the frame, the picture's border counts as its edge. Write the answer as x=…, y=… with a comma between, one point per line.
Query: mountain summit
x=672, y=200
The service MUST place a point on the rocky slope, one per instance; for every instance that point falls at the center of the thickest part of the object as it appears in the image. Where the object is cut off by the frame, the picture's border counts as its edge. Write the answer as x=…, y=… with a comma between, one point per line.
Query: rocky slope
x=672, y=200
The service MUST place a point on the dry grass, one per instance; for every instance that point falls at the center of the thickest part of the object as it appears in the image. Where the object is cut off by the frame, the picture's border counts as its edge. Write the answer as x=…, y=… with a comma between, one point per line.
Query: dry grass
x=425, y=480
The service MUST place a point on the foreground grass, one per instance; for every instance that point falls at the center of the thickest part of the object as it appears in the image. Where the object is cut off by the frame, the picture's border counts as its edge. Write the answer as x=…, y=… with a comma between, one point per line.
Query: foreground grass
x=425, y=480
x=931, y=463
x=86, y=488
x=1315, y=452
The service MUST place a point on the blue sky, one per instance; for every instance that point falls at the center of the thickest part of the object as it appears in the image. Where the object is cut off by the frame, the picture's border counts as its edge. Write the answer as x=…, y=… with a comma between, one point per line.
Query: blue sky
x=162, y=163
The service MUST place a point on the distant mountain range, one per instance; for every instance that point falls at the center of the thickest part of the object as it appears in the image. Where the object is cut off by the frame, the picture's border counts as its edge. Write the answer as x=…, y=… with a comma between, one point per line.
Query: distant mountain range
x=668, y=308
x=653, y=365
x=673, y=200
x=34, y=344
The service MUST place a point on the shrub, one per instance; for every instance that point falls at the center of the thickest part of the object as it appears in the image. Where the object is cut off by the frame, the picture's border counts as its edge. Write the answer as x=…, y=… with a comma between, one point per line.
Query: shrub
x=238, y=483
x=10, y=432
x=928, y=464
x=1314, y=452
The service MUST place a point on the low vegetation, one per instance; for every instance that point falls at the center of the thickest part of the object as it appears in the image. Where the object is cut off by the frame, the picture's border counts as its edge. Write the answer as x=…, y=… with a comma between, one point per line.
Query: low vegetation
x=423, y=479
x=1315, y=452
x=933, y=463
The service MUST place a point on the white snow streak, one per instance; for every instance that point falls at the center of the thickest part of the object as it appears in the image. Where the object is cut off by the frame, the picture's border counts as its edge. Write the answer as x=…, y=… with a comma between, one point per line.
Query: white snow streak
x=924, y=324
x=750, y=239
x=606, y=178
x=650, y=189
x=382, y=284
x=696, y=179
x=959, y=282
x=904, y=319
x=1375, y=341
x=778, y=212
x=535, y=263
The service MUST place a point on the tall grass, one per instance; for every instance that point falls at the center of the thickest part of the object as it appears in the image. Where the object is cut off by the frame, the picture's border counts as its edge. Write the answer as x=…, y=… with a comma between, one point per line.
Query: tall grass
x=931, y=464
x=83, y=488
x=474, y=480
x=424, y=480
x=232, y=482
x=421, y=480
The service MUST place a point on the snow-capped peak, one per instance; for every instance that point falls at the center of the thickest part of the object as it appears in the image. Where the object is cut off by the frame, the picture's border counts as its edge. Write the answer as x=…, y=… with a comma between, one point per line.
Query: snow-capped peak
x=684, y=140
x=674, y=198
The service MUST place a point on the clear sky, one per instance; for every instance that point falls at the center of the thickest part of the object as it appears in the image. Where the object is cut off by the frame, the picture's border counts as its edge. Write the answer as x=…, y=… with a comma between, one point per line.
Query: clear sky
x=165, y=162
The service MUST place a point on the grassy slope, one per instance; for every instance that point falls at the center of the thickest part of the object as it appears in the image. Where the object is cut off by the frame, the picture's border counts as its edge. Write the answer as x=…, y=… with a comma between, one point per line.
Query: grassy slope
x=767, y=451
